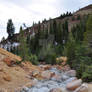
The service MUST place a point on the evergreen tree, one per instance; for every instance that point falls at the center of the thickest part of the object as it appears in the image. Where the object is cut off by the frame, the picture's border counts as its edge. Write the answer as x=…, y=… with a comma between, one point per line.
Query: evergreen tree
x=69, y=49
x=3, y=39
x=10, y=28
x=60, y=35
x=88, y=33
x=23, y=48
x=55, y=29
x=65, y=31
x=51, y=28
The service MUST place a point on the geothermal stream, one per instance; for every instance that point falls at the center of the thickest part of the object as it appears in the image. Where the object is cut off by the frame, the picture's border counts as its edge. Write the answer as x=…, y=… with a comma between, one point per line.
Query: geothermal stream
x=46, y=85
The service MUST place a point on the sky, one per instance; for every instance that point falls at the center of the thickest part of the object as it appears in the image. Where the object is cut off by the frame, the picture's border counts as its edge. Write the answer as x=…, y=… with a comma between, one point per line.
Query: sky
x=29, y=11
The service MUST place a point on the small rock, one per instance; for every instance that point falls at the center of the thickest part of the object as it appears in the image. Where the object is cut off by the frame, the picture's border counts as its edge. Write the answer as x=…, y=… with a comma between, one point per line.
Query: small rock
x=17, y=69
x=32, y=83
x=74, y=84
x=1, y=69
x=65, y=77
x=25, y=89
x=55, y=90
x=27, y=76
x=59, y=67
x=9, y=61
x=56, y=77
x=52, y=74
x=84, y=89
x=19, y=89
x=66, y=68
x=30, y=73
x=29, y=85
x=7, y=77
x=35, y=73
x=71, y=73
x=45, y=67
x=46, y=74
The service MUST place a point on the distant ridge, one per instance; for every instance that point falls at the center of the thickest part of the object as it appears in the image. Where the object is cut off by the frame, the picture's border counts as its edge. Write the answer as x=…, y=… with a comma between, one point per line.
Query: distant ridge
x=86, y=8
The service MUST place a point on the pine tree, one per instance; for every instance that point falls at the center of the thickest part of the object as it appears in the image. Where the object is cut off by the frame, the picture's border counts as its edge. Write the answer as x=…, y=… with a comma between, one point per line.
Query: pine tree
x=55, y=29
x=23, y=48
x=10, y=28
x=88, y=33
x=60, y=35
x=69, y=49
x=51, y=28
x=65, y=31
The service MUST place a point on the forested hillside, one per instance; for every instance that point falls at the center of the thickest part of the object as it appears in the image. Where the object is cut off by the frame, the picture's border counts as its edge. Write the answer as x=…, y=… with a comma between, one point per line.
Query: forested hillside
x=67, y=35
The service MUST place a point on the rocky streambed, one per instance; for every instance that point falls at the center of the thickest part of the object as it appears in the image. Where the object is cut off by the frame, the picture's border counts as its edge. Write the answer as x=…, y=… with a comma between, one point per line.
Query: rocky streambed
x=55, y=80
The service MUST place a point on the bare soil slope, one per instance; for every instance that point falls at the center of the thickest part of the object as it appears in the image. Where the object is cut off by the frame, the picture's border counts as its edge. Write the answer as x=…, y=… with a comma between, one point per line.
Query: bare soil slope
x=15, y=76
x=8, y=54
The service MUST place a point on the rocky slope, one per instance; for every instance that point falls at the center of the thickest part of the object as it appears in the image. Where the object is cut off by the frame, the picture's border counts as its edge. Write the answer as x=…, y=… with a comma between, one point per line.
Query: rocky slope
x=43, y=78
x=55, y=79
x=13, y=76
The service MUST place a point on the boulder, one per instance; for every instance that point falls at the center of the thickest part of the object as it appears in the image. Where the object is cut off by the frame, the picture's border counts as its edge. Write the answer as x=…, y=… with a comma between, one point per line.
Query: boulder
x=71, y=73
x=32, y=83
x=74, y=85
x=71, y=79
x=46, y=74
x=55, y=90
x=82, y=88
x=7, y=77
x=56, y=77
x=45, y=67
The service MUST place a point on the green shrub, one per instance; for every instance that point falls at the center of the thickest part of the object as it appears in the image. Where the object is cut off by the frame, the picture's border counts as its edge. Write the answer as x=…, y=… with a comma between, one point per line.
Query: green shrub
x=34, y=59
x=48, y=54
x=87, y=75
x=50, y=58
x=80, y=69
x=18, y=62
